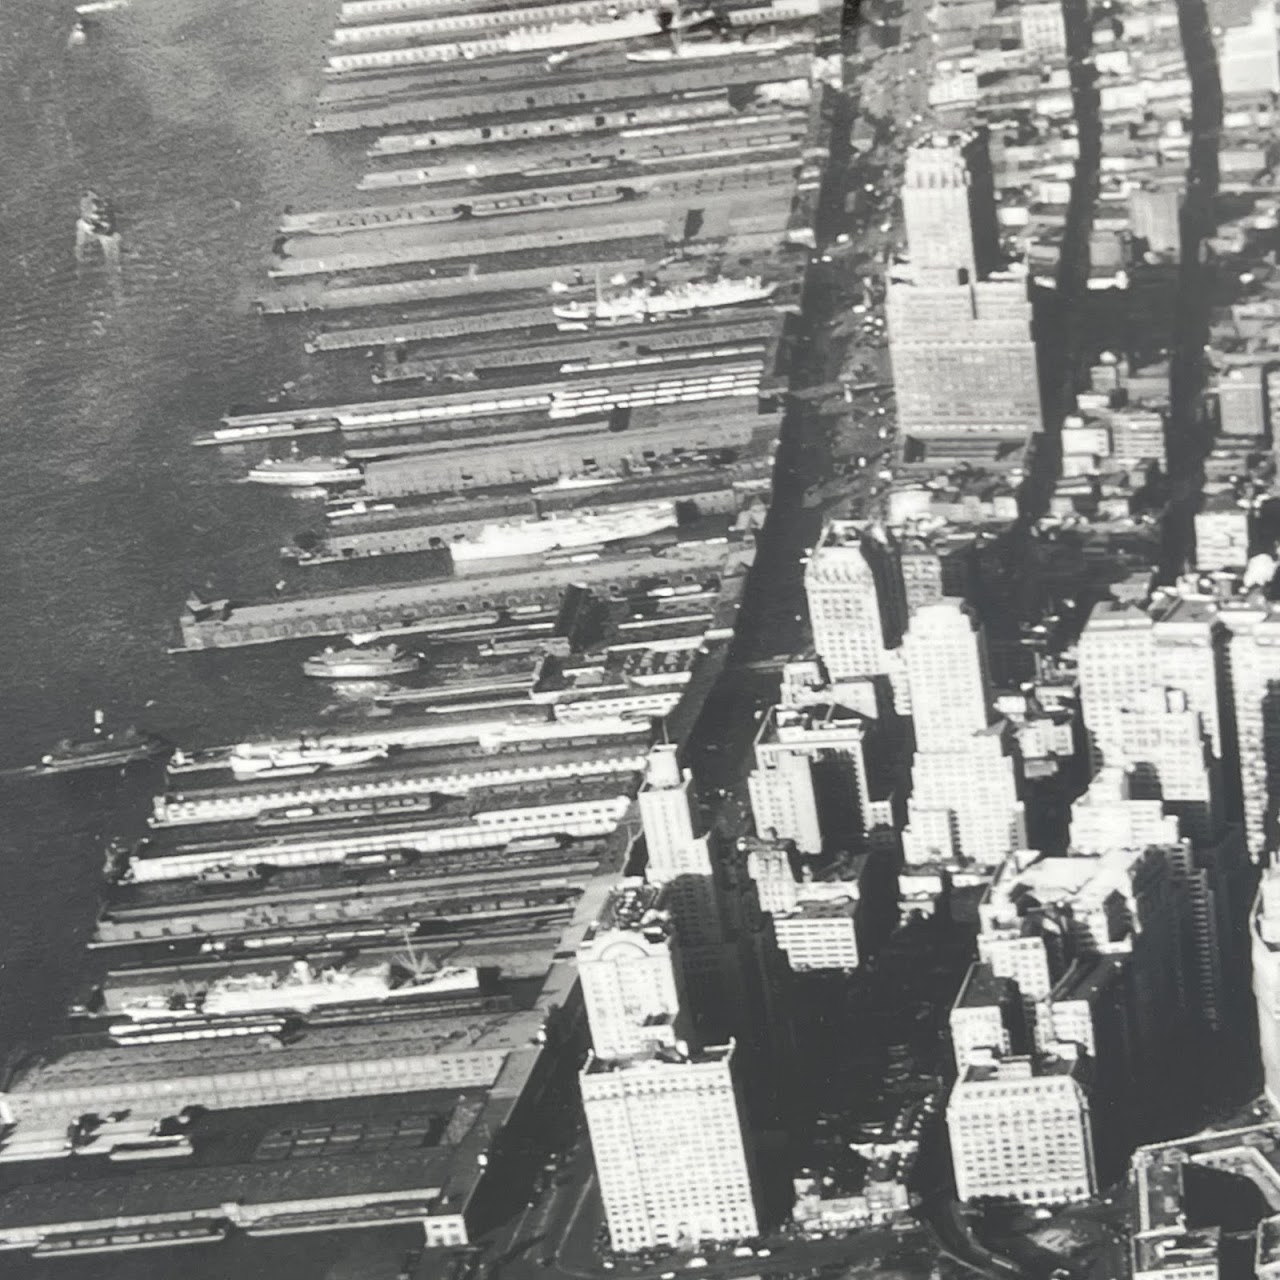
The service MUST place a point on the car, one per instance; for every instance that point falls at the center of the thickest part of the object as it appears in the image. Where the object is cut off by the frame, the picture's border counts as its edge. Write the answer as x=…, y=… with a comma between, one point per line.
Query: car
x=667, y=1275
x=744, y=1251
x=764, y=1253
x=695, y=1264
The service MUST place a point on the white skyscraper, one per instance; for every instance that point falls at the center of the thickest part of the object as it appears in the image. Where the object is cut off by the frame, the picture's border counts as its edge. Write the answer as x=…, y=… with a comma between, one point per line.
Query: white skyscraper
x=666, y=810
x=856, y=601
x=946, y=665
x=1108, y=818
x=1116, y=659
x=632, y=984
x=1020, y=1128
x=1265, y=943
x=1126, y=655
x=795, y=747
x=1255, y=680
x=1168, y=758
x=1043, y=28
x=965, y=374
x=673, y=1162
x=783, y=800
x=678, y=856
x=1190, y=658
x=965, y=803
x=937, y=214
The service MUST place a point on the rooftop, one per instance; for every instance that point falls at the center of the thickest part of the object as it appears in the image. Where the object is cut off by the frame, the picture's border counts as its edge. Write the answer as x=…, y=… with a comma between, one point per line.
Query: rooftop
x=80, y=1068
x=633, y=907
x=1086, y=978
x=658, y=1056
x=981, y=987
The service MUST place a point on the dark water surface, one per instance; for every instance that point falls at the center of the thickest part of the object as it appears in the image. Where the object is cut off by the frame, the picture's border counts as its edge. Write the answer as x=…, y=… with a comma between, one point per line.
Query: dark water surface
x=191, y=115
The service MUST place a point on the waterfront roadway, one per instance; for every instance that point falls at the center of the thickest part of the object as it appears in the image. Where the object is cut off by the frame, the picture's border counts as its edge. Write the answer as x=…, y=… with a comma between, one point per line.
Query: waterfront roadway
x=555, y=1238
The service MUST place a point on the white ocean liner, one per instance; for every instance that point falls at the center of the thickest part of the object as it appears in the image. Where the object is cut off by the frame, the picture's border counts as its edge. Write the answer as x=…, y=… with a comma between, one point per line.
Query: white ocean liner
x=637, y=304
x=537, y=535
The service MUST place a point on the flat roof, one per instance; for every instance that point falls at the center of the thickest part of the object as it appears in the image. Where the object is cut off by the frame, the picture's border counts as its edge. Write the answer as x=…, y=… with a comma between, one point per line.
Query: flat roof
x=982, y=987
x=191, y=1190
x=1086, y=978
x=74, y=1067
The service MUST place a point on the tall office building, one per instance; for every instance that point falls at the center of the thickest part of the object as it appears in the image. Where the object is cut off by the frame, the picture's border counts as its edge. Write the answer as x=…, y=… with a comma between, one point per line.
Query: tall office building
x=964, y=366
x=1023, y=958
x=856, y=601
x=1264, y=941
x=630, y=968
x=1043, y=28
x=1248, y=51
x=1155, y=211
x=1169, y=760
x=667, y=813
x=1109, y=817
x=1255, y=685
x=949, y=210
x=1020, y=1127
x=1126, y=656
x=672, y=1159
x=937, y=215
x=1242, y=402
x=1115, y=658
x=987, y=1018
x=1190, y=656
x=678, y=855
x=1130, y=902
x=784, y=802
x=1222, y=534
x=946, y=664
x=817, y=776
x=965, y=802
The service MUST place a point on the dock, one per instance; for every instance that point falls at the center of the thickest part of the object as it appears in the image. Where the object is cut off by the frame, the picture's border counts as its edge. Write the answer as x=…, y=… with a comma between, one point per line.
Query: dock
x=370, y=609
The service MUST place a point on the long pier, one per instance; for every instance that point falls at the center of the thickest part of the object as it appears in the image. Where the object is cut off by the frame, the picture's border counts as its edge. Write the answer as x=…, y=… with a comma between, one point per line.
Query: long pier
x=407, y=539
x=475, y=282
x=245, y=803
x=575, y=818
x=621, y=349
x=418, y=250
x=370, y=609
x=354, y=30
x=649, y=187
x=526, y=92
x=623, y=134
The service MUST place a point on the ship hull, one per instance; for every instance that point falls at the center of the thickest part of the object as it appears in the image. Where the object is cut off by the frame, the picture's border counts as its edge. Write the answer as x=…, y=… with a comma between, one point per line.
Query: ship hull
x=104, y=760
x=304, y=999
x=320, y=670
x=540, y=537
x=303, y=480
x=268, y=766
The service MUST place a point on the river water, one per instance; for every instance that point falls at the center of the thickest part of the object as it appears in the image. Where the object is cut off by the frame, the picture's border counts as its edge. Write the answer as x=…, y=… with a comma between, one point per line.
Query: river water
x=191, y=115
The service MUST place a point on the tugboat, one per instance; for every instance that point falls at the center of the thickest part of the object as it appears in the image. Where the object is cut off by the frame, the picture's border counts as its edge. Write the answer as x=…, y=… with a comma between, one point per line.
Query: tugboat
x=377, y=662
x=126, y=746
x=97, y=223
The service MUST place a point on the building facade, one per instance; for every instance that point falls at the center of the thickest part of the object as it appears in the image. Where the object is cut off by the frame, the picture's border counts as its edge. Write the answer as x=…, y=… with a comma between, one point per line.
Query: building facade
x=1021, y=1128
x=630, y=969
x=856, y=601
x=672, y=1158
